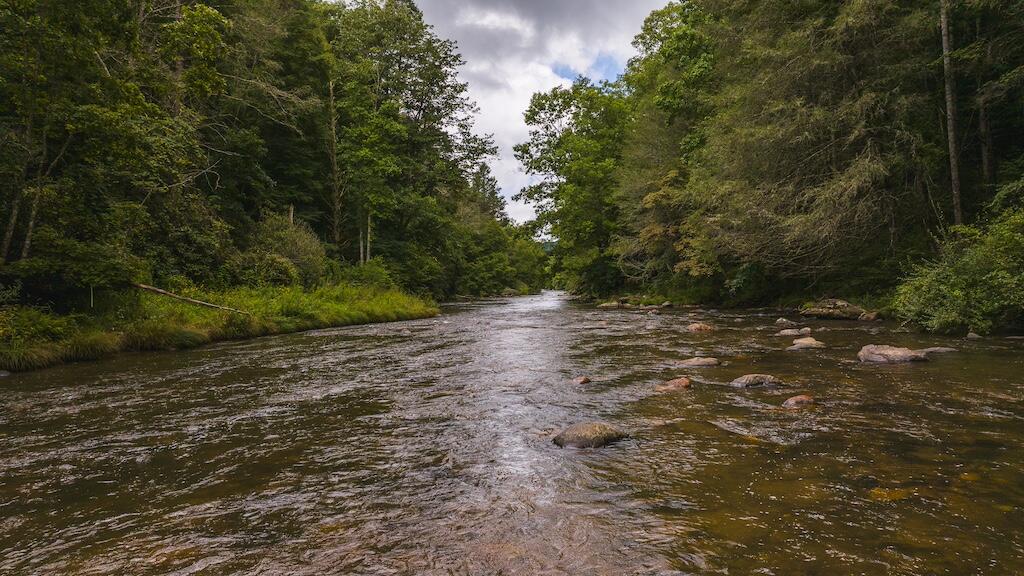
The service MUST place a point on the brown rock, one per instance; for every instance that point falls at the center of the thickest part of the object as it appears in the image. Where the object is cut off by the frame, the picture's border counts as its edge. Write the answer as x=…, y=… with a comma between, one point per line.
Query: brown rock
x=666, y=304
x=673, y=385
x=755, y=381
x=800, y=401
x=794, y=332
x=878, y=354
x=806, y=344
x=699, y=362
x=833, y=309
x=868, y=317
x=609, y=305
x=938, y=350
x=581, y=381
x=785, y=322
x=588, y=435
x=974, y=336
x=700, y=327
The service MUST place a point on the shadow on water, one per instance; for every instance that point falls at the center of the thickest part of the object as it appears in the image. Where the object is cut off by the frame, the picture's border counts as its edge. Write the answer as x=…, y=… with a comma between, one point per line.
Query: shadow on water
x=424, y=448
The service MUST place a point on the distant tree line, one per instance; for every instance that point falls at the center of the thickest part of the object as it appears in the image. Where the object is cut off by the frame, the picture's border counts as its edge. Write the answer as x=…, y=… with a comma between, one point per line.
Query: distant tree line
x=754, y=150
x=240, y=142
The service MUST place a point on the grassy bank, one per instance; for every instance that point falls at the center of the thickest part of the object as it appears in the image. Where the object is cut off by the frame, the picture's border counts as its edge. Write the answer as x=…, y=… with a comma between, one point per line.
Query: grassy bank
x=32, y=338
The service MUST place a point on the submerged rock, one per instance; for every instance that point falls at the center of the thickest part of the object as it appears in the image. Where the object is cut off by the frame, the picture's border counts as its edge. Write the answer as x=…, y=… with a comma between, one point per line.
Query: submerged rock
x=673, y=385
x=4, y=373
x=755, y=381
x=700, y=327
x=609, y=305
x=833, y=309
x=806, y=344
x=938, y=350
x=794, y=332
x=879, y=354
x=581, y=381
x=800, y=401
x=699, y=362
x=588, y=435
x=785, y=322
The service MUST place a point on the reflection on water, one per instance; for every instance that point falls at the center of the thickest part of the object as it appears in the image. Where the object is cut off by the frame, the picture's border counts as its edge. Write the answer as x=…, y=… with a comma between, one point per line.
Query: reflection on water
x=424, y=448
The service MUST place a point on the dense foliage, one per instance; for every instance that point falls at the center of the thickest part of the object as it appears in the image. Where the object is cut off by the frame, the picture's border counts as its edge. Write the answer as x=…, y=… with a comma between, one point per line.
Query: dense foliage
x=242, y=143
x=754, y=150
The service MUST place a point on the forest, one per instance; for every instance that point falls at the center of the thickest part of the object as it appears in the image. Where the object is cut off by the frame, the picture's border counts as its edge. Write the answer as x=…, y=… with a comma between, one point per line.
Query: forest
x=769, y=152
x=304, y=162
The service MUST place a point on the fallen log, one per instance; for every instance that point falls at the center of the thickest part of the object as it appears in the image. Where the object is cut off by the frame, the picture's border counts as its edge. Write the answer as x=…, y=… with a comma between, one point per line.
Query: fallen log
x=156, y=290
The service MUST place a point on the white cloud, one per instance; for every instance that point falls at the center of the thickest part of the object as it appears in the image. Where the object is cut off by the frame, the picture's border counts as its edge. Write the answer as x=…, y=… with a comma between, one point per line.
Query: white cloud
x=513, y=49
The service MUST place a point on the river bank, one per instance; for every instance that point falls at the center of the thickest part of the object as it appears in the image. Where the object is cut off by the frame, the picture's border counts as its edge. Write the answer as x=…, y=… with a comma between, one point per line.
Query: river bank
x=32, y=338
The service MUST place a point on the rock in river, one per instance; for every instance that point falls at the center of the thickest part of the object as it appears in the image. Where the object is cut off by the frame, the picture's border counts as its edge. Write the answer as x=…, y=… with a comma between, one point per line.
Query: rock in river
x=699, y=362
x=756, y=381
x=588, y=435
x=833, y=309
x=806, y=344
x=700, y=327
x=798, y=402
x=581, y=381
x=609, y=305
x=794, y=332
x=673, y=385
x=877, y=354
x=938, y=350
x=785, y=322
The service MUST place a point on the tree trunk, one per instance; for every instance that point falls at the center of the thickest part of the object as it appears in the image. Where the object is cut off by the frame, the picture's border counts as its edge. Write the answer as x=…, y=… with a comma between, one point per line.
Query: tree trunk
x=985, y=132
x=179, y=69
x=187, y=299
x=12, y=221
x=988, y=169
x=332, y=150
x=369, y=228
x=954, y=154
x=31, y=223
x=361, y=259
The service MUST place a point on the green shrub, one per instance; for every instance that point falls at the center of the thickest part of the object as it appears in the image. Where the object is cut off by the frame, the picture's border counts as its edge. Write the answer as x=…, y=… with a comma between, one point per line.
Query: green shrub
x=373, y=273
x=294, y=242
x=977, y=283
x=258, y=269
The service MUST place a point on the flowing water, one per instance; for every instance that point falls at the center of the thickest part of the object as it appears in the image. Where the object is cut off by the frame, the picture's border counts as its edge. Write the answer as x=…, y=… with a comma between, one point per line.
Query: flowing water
x=425, y=448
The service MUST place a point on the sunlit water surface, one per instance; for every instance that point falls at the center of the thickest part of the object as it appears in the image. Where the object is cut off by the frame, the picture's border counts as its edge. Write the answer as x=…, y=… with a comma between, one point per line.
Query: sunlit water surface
x=424, y=448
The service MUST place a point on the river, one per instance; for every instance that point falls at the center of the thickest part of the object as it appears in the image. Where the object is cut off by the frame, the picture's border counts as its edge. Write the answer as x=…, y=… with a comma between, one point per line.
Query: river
x=425, y=448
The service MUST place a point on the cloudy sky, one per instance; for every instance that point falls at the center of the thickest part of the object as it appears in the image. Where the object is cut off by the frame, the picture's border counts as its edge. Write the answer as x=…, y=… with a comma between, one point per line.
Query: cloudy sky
x=514, y=48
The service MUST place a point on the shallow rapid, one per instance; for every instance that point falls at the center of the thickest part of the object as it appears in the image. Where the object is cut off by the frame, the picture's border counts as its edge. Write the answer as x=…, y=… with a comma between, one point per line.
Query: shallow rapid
x=425, y=448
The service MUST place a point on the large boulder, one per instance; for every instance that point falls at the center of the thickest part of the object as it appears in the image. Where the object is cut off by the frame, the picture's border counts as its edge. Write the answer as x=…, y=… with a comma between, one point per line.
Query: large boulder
x=794, y=332
x=700, y=327
x=588, y=435
x=880, y=354
x=833, y=309
x=699, y=362
x=756, y=381
x=806, y=344
x=674, y=385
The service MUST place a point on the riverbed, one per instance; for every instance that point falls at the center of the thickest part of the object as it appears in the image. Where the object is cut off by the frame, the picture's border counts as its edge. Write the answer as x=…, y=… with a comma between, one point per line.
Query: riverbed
x=425, y=447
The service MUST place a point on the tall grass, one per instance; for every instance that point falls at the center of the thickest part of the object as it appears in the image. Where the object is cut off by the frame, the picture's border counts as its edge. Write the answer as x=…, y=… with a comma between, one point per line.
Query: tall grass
x=31, y=338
